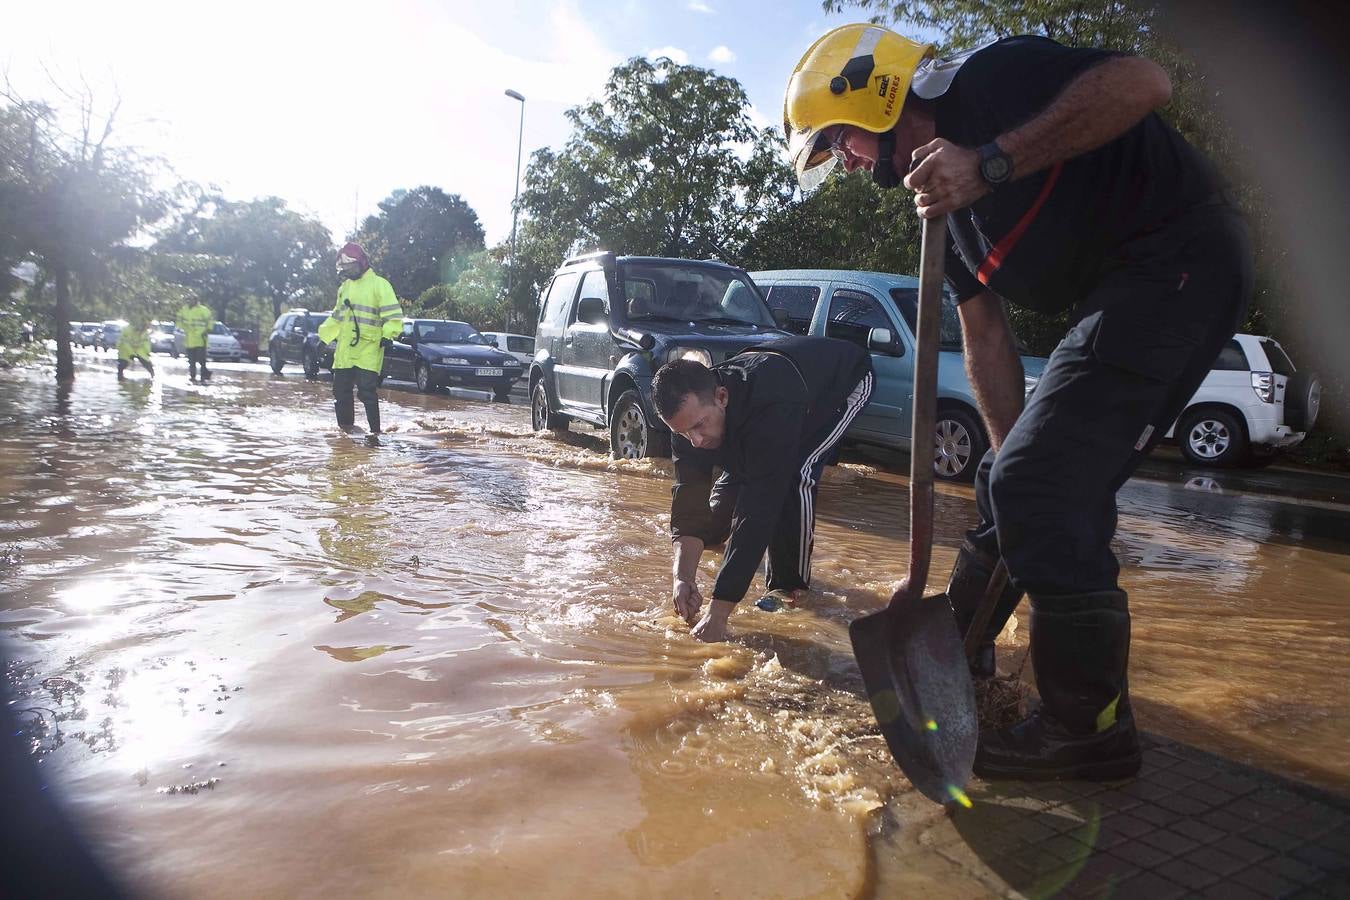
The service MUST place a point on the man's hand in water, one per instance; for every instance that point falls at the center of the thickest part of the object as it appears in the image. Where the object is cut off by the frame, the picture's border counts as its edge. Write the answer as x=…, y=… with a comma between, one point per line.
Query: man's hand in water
x=713, y=626
x=687, y=599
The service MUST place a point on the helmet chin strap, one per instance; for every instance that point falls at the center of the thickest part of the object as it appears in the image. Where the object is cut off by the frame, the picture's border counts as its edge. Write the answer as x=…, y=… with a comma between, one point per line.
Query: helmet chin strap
x=883, y=170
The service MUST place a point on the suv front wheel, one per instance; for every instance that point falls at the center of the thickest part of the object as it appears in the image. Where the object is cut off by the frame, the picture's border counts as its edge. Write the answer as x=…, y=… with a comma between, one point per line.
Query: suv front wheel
x=1212, y=437
x=273, y=358
x=541, y=417
x=630, y=434
x=310, y=363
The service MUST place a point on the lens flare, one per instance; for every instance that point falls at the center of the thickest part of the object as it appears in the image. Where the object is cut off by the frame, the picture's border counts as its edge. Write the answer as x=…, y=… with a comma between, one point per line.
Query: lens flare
x=959, y=796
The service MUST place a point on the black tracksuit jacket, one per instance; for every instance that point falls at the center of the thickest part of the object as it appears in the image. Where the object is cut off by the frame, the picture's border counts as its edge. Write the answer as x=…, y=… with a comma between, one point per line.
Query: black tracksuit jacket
x=775, y=408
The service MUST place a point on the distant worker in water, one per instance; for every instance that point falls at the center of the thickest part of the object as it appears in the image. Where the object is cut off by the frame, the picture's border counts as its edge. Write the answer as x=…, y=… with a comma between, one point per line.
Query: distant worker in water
x=769, y=419
x=195, y=321
x=365, y=320
x=134, y=344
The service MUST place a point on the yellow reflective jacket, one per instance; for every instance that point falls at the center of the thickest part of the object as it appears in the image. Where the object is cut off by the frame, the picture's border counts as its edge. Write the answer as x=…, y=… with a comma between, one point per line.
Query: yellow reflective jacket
x=366, y=311
x=133, y=343
x=196, y=322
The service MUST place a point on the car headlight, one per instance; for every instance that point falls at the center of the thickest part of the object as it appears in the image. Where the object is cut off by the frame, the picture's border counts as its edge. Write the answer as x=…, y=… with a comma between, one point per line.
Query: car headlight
x=693, y=353
x=511, y=362
x=1264, y=385
x=454, y=360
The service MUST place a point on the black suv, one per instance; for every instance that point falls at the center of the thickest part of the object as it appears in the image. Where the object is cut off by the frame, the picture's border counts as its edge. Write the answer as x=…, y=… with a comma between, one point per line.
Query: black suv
x=595, y=359
x=295, y=339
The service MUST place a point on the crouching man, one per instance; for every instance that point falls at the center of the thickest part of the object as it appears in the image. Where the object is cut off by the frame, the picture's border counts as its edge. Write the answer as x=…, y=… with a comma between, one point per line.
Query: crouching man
x=769, y=419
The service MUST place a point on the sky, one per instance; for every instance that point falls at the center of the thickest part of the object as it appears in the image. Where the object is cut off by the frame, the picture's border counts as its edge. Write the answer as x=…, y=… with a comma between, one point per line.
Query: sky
x=333, y=105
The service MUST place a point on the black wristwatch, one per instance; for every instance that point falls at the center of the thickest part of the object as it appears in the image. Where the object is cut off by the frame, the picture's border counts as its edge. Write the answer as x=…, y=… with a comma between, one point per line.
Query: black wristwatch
x=995, y=165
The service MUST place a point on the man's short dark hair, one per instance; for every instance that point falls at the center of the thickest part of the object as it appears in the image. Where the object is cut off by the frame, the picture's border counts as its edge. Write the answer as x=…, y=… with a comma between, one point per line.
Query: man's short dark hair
x=676, y=380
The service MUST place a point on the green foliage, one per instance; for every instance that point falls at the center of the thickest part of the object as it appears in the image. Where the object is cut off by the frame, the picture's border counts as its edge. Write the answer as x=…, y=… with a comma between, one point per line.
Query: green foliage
x=420, y=238
x=475, y=297
x=231, y=254
x=69, y=201
x=667, y=164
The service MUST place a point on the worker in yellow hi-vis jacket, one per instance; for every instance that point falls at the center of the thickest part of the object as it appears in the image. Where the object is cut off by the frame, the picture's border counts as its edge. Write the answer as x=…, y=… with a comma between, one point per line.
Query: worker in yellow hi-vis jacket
x=366, y=320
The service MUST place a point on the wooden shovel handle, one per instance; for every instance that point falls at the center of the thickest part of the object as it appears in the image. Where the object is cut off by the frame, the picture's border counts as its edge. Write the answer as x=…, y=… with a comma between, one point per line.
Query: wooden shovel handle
x=922, y=441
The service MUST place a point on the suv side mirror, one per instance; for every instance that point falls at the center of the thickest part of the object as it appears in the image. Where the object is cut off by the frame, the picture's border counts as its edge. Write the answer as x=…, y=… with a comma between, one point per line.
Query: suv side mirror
x=298, y=329
x=781, y=318
x=883, y=340
x=406, y=337
x=592, y=311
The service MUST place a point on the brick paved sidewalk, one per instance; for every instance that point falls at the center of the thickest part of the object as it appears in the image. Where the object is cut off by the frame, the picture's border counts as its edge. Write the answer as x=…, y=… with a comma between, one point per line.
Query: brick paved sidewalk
x=1191, y=825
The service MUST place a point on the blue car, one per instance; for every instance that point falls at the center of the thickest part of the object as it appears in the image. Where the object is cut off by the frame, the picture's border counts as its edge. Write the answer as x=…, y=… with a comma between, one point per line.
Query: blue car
x=438, y=353
x=879, y=311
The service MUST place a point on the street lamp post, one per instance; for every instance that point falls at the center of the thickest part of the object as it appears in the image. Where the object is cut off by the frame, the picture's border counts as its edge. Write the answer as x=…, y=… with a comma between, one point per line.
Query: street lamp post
x=515, y=204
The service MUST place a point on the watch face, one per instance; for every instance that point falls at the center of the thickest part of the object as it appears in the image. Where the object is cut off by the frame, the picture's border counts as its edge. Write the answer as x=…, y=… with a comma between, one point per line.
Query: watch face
x=996, y=168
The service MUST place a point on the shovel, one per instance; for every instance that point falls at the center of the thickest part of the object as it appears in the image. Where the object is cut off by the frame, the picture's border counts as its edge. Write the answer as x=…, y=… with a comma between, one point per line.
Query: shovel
x=911, y=655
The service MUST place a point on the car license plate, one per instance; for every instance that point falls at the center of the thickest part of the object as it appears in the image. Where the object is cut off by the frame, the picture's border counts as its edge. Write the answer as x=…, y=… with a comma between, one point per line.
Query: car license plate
x=489, y=372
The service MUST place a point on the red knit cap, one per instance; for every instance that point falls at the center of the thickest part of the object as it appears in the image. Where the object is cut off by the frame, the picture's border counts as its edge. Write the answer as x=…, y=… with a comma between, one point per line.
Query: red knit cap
x=353, y=250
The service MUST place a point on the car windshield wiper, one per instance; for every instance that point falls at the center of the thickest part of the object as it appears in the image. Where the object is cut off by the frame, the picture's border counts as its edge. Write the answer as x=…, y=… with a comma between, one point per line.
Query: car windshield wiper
x=725, y=320
x=657, y=317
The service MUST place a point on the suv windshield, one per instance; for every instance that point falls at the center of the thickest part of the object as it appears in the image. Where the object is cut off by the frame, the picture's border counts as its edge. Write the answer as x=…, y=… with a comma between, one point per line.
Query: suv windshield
x=448, y=333
x=692, y=293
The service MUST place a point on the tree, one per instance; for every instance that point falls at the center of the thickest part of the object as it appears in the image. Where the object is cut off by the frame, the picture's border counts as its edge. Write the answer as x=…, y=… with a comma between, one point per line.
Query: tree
x=475, y=297
x=667, y=163
x=227, y=252
x=420, y=238
x=70, y=198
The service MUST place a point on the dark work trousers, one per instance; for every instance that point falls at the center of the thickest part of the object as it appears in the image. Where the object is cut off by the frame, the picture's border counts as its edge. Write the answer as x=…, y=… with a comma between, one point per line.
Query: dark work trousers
x=196, y=356
x=365, y=382
x=1142, y=342
x=123, y=363
x=788, y=566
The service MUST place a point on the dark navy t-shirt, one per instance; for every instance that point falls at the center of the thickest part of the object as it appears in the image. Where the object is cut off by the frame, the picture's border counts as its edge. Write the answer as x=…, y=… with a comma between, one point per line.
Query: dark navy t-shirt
x=1042, y=241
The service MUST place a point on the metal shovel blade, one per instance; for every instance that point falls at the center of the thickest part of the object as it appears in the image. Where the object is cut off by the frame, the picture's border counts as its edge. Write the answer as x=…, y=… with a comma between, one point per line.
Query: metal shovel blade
x=914, y=668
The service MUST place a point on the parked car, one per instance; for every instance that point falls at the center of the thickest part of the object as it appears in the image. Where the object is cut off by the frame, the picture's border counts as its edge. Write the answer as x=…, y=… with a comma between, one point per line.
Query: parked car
x=88, y=334
x=220, y=344
x=295, y=339
x=438, y=353
x=521, y=346
x=1252, y=405
x=108, y=334
x=608, y=322
x=248, y=341
x=880, y=311
x=161, y=338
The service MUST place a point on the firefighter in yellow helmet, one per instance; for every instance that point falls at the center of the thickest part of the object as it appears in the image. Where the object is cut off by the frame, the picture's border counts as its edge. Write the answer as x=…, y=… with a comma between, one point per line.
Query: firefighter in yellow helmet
x=365, y=320
x=1063, y=191
x=195, y=321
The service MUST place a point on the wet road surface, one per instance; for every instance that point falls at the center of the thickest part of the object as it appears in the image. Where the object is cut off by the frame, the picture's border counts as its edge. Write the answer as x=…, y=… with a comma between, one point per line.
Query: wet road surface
x=262, y=657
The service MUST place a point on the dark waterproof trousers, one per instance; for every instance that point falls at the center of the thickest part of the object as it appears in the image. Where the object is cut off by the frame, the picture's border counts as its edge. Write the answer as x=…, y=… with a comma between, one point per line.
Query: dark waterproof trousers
x=196, y=356
x=788, y=566
x=365, y=382
x=1142, y=342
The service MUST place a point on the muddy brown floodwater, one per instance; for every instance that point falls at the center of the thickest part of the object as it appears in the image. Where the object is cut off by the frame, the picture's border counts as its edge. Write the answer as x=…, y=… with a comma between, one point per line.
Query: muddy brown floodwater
x=259, y=658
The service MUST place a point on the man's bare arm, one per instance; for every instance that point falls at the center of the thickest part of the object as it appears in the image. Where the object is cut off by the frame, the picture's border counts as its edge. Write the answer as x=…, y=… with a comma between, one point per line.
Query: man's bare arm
x=992, y=364
x=1098, y=106
x=1095, y=108
x=684, y=574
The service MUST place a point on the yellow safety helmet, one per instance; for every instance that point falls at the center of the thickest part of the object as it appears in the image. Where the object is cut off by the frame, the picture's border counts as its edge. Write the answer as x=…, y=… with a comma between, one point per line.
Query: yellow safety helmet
x=853, y=75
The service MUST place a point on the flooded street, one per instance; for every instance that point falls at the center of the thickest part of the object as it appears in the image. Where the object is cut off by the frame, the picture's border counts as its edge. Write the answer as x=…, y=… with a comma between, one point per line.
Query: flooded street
x=263, y=658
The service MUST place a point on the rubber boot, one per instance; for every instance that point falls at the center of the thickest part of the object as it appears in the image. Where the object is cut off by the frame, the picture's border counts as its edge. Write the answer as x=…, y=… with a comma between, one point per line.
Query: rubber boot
x=1080, y=646
x=373, y=417
x=965, y=590
x=346, y=413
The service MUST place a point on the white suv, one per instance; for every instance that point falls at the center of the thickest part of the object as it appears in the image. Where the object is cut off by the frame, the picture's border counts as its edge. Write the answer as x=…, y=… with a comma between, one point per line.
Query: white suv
x=1251, y=405
x=521, y=346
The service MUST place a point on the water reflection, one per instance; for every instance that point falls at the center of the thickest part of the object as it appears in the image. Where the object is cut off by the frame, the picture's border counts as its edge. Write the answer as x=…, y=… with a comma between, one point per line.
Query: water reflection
x=501, y=700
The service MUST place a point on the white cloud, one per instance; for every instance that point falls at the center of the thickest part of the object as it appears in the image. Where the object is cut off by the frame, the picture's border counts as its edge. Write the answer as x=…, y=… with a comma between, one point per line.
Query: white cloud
x=699, y=6
x=675, y=54
x=722, y=54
